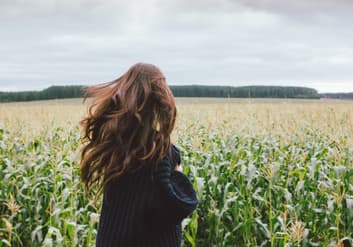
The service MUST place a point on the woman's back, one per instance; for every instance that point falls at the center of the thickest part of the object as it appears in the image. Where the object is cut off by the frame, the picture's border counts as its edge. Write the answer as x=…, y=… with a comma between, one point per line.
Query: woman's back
x=146, y=208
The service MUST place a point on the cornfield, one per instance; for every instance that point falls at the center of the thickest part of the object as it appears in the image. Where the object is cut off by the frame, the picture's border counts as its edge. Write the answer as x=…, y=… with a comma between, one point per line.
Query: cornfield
x=267, y=172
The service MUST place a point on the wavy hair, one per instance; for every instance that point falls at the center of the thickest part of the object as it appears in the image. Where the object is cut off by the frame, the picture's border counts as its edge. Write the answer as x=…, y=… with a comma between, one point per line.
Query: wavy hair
x=128, y=125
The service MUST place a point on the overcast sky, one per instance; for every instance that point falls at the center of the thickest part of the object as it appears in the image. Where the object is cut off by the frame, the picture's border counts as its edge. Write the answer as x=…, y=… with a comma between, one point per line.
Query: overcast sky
x=214, y=42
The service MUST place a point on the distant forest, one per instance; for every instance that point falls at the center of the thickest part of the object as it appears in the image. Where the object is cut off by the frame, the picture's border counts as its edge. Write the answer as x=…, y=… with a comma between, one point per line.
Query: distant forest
x=337, y=95
x=76, y=91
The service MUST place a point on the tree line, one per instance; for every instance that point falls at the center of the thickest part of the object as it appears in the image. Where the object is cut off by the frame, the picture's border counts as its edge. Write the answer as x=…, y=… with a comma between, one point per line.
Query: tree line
x=53, y=92
x=337, y=95
x=77, y=91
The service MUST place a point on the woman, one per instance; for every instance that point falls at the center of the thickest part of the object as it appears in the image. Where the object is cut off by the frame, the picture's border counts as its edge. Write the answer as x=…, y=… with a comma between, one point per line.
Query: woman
x=128, y=156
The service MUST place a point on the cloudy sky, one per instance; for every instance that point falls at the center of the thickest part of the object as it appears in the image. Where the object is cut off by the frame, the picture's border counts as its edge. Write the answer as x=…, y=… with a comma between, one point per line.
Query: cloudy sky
x=213, y=42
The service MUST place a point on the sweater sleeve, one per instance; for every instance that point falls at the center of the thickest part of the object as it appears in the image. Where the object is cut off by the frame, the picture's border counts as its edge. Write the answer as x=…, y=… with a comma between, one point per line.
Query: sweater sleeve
x=178, y=197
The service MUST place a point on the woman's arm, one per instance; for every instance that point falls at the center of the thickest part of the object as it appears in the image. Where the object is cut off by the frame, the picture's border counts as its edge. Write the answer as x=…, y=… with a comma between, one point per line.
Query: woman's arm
x=177, y=196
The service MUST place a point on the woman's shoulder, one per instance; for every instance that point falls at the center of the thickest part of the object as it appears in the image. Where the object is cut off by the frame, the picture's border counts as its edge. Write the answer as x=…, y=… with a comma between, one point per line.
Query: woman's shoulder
x=131, y=182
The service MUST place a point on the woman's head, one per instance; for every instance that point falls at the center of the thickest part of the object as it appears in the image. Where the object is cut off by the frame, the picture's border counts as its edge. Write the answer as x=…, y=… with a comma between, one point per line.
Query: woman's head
x=128, y=125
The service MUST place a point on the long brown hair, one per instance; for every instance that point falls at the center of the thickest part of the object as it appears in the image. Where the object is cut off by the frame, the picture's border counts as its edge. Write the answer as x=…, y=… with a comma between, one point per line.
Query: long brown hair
x=128, y=125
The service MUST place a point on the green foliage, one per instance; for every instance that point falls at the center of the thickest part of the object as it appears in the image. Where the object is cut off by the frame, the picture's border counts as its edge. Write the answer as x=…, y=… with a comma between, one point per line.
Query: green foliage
x=270, y=192
x=253, y=191
x=245, y=92
x=53, y=92
x=61, y=92
x=42, y=202
x=337, y=95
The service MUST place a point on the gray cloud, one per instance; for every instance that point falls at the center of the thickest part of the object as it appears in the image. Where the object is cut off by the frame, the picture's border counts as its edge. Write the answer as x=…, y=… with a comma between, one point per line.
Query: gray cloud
x=302, y=7
x=307, y=43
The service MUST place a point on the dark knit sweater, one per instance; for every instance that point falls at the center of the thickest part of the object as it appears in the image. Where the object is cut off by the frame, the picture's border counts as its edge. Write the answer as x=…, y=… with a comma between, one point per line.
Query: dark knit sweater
x=145, y=209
